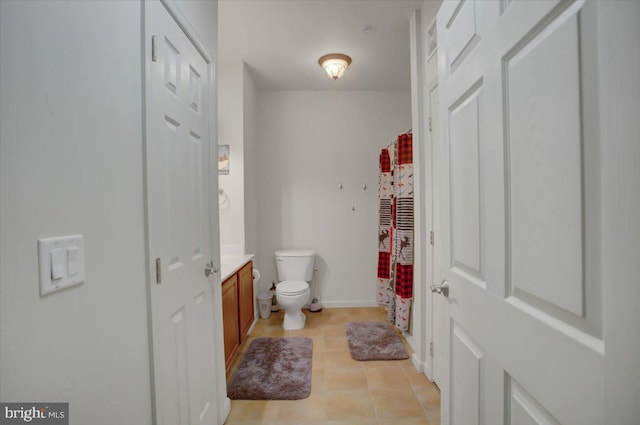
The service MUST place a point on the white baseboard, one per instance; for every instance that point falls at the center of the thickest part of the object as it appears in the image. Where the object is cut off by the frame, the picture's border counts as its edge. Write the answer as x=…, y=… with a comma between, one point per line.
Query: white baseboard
x=410, y=340
x=420, y=365
x=255, y=320
x=349, y=304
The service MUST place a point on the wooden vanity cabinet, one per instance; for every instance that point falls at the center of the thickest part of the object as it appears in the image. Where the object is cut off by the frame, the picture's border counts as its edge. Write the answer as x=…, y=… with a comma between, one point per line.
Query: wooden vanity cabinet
x=237, y=309
x=245, y=298
x=230, y=321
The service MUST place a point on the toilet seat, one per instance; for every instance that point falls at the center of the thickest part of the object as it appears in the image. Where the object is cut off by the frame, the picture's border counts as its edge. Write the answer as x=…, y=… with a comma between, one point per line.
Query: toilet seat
x=292, y=287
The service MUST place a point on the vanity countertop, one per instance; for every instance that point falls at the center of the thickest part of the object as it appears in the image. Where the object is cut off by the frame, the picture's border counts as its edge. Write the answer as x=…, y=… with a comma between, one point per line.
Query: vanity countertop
x=232, y=263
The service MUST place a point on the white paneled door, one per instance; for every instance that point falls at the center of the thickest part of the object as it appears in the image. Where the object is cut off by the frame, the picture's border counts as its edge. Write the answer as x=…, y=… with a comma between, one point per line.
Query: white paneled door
x=178, y=147
x=520, y=213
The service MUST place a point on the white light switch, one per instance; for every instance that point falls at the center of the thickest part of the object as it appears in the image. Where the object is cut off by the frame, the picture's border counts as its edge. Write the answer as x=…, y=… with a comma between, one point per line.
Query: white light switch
x=73, y=255
x=58, y=262
x=61, y=263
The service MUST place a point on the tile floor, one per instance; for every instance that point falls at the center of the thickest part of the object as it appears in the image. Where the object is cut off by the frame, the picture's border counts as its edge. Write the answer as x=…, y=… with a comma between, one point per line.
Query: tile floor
x=343, y=391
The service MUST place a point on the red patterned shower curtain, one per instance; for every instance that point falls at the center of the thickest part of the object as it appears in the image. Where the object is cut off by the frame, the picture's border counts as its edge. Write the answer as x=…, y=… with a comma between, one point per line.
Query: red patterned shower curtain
x=395, y=231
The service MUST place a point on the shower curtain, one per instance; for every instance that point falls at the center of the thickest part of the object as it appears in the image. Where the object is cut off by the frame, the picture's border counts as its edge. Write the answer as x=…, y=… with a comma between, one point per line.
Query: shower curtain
x=395, y=231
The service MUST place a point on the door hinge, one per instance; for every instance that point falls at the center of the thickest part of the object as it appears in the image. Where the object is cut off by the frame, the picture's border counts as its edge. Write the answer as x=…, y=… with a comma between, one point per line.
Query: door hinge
x=431, y=237
x=430, y=127
x=431, y=349
x=158, y=271
x=154, y=50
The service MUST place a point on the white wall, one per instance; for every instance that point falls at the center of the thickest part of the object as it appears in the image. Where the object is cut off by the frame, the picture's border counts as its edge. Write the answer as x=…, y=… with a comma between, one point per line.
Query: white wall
x=231, y=132
x=71, y=158
x=310, y=142
x=251, y=207
x=238, y=120
x=71, y=162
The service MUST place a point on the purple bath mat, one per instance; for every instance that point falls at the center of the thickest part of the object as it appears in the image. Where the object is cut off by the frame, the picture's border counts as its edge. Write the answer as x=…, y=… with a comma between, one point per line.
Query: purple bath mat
x=374, y=341
x=274, y=369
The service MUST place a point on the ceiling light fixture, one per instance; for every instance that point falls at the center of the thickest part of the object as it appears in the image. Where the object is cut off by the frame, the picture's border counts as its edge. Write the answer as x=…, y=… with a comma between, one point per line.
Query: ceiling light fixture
x=335, y=64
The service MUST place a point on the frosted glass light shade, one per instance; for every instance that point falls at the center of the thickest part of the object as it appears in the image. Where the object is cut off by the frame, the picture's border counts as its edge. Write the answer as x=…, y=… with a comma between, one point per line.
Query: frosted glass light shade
x=335, y=64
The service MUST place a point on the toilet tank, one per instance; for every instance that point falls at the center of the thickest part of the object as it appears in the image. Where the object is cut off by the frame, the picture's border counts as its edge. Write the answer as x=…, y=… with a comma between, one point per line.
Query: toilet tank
x=295, y=264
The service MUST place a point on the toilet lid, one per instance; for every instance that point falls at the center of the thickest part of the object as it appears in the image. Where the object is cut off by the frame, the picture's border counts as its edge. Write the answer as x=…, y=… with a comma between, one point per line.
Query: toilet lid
x=292, y=287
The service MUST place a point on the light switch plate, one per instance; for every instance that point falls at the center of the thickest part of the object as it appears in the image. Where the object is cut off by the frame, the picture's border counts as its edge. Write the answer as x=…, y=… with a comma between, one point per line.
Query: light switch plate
x=69, y=254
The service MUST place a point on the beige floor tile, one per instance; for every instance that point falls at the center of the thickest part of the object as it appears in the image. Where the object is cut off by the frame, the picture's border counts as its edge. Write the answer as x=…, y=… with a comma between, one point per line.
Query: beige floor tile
x=407, y=347
x=241, y=422
x=343, y=391
x=317, y=360
x=340, y=360
x=360, y=312
x=429, y=397
x=434, y=417
x=335, y=343
x=379, y=312
x=304, y=333
x=345, y=379
x=259, y=327
x=319, y=316
x=395, y=404
x=312, y=408
x=417, y=379
x=335, y=330
x=364, y=318
x=318, y=342
x=339, y=320
x=243, y=410
x=275, y=319
x=431, y=404
x=339, y=311
x=407, y=421
x=318, y=381
x=274, y=332
x=387, y=378
x=295, y=422
x=315, y=319
x=347, y=405
x=386, y=363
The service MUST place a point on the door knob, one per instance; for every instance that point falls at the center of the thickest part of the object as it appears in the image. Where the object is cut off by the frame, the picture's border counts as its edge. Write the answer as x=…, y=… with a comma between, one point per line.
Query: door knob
x=443, y=288
x=210, y=268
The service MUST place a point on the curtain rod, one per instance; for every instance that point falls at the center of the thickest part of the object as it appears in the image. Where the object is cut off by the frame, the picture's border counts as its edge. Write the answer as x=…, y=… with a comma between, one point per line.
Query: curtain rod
x=410, y=131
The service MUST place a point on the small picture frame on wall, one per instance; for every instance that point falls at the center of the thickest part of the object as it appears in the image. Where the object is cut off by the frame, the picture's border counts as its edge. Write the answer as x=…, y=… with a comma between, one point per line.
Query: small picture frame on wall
x=223, y=160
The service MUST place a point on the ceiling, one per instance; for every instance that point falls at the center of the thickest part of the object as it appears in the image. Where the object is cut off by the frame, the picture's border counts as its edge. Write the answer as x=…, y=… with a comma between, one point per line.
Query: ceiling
x=281, y=41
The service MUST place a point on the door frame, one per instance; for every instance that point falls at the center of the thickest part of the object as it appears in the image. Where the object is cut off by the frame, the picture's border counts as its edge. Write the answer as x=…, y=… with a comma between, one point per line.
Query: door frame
x=420, y=326
x=434, y=267
x=223, y=403
x=424, y=78
x=430, y=83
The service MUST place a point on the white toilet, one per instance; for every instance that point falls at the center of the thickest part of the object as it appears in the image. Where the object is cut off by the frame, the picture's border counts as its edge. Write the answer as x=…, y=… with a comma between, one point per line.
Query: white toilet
x=295, y=270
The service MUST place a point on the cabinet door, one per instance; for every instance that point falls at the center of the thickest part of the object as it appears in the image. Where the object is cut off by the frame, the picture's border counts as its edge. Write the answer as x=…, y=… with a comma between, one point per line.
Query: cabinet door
x=230, y=314
x=245, y=293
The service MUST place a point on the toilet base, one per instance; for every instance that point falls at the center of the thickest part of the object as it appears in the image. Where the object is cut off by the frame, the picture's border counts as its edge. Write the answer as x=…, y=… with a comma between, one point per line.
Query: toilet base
x=293, y=319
